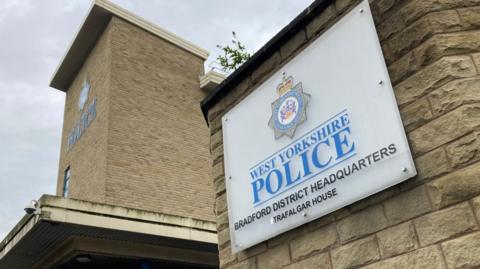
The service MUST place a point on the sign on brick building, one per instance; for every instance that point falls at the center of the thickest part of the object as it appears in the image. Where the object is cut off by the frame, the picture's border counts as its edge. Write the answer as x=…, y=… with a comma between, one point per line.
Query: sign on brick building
x=322, y=132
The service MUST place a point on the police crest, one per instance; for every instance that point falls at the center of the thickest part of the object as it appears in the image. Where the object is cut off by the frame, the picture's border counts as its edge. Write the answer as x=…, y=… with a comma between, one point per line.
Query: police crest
x=289, y=110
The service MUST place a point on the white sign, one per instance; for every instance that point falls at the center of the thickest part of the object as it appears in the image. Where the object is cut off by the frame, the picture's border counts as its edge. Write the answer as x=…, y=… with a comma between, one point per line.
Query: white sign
x=320, y=134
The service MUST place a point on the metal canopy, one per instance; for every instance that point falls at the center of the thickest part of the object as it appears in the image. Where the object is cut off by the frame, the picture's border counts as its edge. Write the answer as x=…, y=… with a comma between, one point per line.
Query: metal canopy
x=38, y=241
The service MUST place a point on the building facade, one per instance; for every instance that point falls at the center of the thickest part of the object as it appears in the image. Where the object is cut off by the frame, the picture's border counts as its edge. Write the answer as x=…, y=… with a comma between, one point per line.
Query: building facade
x=429, y=221
x=142, y=89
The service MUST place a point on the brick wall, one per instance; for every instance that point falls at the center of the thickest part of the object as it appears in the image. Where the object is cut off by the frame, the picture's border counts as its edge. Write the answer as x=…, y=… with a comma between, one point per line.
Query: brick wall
x=158, y=156
x=148, y=146
x=432, y=49
x=87, y=158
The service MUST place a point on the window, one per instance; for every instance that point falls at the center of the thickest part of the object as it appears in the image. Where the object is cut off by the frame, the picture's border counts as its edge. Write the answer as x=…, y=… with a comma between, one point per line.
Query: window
x=66, y=182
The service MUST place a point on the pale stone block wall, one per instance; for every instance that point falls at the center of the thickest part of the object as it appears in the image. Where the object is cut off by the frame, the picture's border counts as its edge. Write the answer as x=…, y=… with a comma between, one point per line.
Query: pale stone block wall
x=432, y=49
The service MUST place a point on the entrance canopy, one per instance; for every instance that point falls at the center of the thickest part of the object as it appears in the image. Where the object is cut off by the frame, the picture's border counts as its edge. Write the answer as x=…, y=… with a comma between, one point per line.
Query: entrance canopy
x=68, y=231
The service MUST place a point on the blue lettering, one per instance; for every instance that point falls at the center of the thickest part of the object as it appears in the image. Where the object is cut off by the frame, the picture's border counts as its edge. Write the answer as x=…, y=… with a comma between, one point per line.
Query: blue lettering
x=279, y=182
x=288, y=174
x=344, y=119
x=342, y=145
x=306, y=166
x=254, y=173
x=305, y=158
x=83, y=123
x=257, y=186
x=315, y=159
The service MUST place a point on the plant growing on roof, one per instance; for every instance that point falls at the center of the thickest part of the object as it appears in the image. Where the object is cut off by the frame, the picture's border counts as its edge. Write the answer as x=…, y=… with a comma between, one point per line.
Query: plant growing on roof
x=233, y=56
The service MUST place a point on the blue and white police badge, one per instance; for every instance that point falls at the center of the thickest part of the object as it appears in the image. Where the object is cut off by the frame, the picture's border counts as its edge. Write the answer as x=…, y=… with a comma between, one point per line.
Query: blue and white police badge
x=290, y=109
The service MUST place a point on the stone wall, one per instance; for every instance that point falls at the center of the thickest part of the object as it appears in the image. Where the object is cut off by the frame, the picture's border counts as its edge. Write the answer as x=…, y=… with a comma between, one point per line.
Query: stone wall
x=432, y=49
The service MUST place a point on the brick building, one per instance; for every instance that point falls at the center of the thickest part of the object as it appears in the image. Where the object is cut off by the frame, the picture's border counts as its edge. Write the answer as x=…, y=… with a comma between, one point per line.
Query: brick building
x=133, y=189
x=432, y=50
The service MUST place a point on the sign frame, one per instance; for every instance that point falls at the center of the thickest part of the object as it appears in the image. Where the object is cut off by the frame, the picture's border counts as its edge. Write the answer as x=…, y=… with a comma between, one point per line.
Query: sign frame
x=350, y=137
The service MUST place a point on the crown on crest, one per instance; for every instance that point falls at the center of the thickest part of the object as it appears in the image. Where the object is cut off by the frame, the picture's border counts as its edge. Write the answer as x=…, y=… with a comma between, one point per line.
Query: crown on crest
x=285, y=86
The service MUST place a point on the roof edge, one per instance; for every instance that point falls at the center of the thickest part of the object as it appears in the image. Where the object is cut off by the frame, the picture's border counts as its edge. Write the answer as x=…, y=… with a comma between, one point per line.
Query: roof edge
x=115, y=211
x=154, y=29
x=15, y=230
x=52, y=203
x=272, y=46
x=210, y=80
x=57, y=73
x=93, y=25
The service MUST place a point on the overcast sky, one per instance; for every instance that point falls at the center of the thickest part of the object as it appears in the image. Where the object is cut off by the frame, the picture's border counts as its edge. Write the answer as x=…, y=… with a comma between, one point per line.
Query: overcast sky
x=35, y=34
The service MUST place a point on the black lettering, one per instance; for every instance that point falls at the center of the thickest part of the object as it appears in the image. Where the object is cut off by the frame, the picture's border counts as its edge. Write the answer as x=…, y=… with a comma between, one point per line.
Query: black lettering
x=392, y=149
x=332, y=178
x=361, y=163
x=383, y=153
x=340, y=174
x=354, y=167
x=368, y=159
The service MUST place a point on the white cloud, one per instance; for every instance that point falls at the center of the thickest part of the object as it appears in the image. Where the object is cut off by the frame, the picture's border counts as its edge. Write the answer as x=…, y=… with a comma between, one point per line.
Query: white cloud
x=14, y=8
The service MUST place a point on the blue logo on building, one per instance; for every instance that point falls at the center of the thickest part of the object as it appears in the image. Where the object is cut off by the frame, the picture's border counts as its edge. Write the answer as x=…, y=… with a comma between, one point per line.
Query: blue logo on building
x=289, y=110
x=87, y=117
x=83, y=94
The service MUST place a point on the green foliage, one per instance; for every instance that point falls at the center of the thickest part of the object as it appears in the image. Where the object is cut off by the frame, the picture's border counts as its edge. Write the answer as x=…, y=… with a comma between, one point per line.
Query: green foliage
x=233, y=56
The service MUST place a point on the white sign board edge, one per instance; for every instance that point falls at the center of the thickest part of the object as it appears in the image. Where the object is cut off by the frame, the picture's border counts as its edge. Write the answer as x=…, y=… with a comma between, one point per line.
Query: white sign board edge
x=335, y=61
